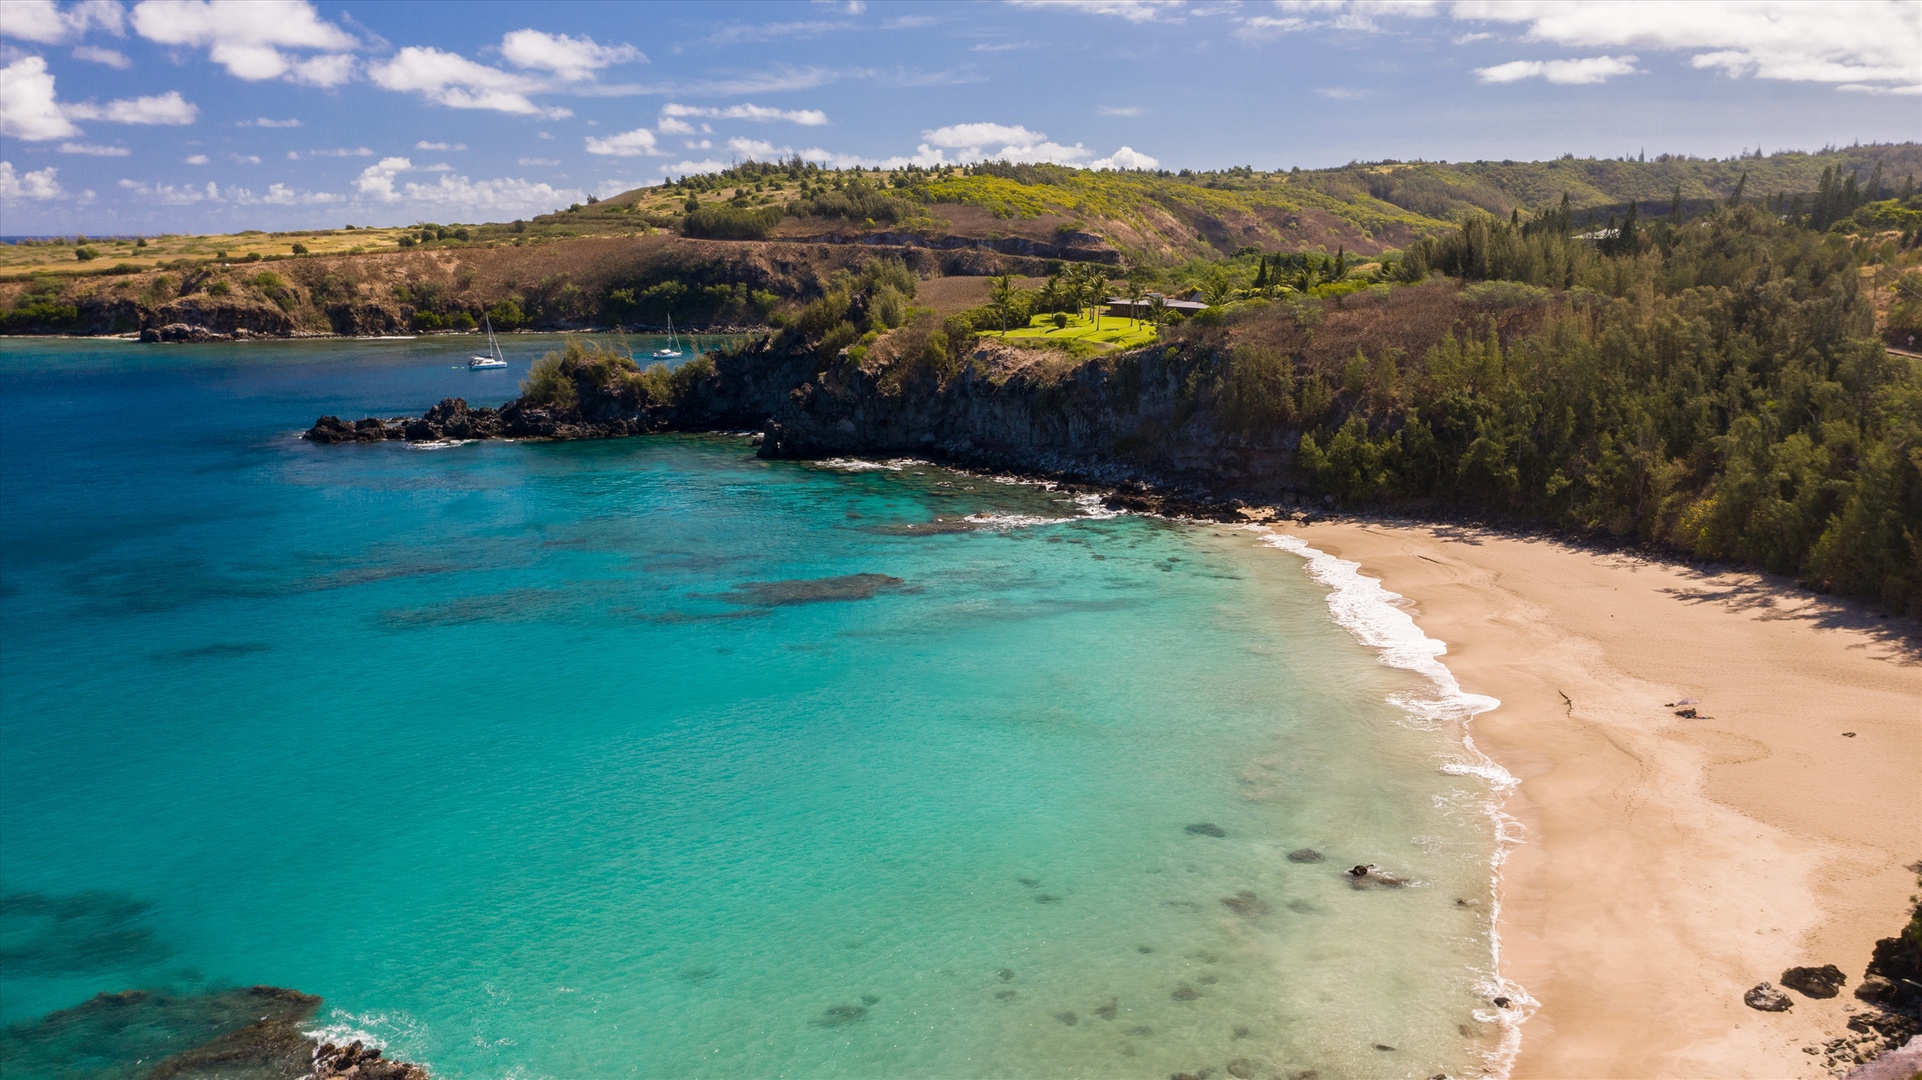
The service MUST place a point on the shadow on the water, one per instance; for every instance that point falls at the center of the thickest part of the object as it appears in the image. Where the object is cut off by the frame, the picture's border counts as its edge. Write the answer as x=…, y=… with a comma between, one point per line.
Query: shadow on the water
x=216, y=651
x=76, y=933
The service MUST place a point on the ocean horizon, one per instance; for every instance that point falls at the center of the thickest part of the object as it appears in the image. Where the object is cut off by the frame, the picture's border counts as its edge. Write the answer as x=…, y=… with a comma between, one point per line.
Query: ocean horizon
x=648, y=757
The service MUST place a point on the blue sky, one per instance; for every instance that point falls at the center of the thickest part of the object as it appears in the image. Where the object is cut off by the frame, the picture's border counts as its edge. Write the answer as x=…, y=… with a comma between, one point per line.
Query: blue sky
x=189, y=115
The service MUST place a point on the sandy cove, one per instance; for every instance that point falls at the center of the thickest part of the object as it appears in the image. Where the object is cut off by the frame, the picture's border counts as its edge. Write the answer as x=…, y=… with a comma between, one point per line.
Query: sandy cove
x=1670, y=864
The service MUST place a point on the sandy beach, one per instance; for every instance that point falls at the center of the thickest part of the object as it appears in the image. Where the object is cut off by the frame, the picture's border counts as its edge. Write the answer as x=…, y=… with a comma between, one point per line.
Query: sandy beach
x=1669, y=864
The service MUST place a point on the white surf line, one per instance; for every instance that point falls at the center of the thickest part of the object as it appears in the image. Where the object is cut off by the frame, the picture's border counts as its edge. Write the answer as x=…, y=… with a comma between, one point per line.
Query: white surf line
x=1379, y=620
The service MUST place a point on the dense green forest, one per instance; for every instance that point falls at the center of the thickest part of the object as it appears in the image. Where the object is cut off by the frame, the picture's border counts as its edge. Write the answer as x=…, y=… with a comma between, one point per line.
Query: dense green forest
x=1716, y=385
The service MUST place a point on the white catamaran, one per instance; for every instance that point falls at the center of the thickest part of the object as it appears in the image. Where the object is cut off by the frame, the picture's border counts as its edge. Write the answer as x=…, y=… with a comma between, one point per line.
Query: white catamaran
x=673, y=350
x=493, y=359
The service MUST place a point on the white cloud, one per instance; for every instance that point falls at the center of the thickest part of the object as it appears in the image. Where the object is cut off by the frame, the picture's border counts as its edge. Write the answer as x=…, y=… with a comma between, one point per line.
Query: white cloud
x=1859, y=88
x=571, y=59
x=699, y=144
x=244, y=159
x=342, y=151
x=211, y=192
x=324, y=71
x=282, y=195
x=1469, y=39
x=172, y=195
x=671, y=126
x=538, y=161
x=692, y=168
x=1344, y=93
x=1869, y=41
x=45, y=22
x=459, y=83
x=31, y=185
x=756, y=148
x=195, y=159
x=761, y=113
x=94, y=150
x=377, y=181
x=1125, y=158
x=113, y=58
x=264, y=122
x=28, y=110
x=977, y=142
x=1582, y=72
x=505, y=195
x=790, y=31
x=1119, y=110
x=1135, y=11
x=425, y=145
x=247, y=37
x=626, y=144
x=167, y=108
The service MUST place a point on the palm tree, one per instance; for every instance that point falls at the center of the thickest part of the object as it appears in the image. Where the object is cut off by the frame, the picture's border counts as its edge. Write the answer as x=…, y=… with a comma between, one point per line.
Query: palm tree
x=1094, y=289
x=1001, y=295
x=1219, y=290
x=1157, y=310
x=1135, y=293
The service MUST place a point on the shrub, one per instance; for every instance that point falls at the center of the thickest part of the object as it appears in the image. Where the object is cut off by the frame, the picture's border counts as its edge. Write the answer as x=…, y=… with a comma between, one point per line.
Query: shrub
x=299, y=248
x=731, y=222
x=85, y=254
x=506, y=313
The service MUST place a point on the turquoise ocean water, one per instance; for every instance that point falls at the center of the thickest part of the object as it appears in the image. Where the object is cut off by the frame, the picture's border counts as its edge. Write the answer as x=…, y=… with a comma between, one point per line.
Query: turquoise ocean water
x=650, y=758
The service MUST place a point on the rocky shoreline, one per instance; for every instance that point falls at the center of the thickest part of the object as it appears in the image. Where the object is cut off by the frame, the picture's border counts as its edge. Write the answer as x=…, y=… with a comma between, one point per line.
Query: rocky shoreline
x=250, y=1033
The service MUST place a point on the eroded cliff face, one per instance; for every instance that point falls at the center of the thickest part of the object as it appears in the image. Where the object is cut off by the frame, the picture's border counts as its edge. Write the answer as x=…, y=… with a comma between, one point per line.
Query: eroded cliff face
x=1134, y=415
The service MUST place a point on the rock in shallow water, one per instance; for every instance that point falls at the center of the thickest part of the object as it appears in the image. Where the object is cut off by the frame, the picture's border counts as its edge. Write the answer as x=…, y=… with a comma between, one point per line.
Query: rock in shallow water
x=1767, y=998
x=1207, y=828
x=1304, y=855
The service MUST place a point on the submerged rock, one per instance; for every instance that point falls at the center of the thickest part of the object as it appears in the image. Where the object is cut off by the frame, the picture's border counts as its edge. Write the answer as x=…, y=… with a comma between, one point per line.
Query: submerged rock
x=1184, y=992
x=1817, y=982
x=1068, y=1018
x=1767, y=998
x=1207, y=828
x=1370, y=876
x=840, y=1015
x=812, y=590
x=1107, y=1009
x=1245, y=904
x=1304, y=855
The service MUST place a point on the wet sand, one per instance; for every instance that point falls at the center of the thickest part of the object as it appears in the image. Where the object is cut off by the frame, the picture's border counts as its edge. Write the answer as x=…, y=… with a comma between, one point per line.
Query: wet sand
x=1669, y=864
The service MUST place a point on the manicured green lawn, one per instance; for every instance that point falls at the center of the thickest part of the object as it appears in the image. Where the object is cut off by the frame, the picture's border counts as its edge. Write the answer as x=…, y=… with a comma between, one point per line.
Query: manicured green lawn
x=1114, y=331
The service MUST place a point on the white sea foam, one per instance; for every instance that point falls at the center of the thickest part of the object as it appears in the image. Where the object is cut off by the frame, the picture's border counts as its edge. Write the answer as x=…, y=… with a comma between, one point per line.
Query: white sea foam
x=1092, y=506
x=439, y=444
x=380, y=1029
x=1014, y=521
x=1380, y=619
x=863, y=465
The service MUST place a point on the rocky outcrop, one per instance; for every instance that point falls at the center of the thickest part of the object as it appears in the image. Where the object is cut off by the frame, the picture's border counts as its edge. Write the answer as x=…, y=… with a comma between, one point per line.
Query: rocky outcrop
x=1816, y=982
x=250, y=1033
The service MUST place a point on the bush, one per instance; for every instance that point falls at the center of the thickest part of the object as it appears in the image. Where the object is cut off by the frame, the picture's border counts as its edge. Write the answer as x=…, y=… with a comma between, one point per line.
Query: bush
x=506, y=313
x=85, y=254
x=299, y=248
x=731, y=222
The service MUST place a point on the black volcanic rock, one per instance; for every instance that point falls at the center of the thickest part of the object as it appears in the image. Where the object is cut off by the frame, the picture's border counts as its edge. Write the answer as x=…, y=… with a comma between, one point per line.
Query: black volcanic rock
x=1817, y=982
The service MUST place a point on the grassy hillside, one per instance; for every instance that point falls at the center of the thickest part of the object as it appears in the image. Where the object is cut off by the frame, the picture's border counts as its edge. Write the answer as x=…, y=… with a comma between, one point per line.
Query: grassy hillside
x=736, y=246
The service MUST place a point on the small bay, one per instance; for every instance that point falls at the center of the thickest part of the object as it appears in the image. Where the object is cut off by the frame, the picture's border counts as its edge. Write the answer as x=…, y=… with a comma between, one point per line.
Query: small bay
x=648, y=757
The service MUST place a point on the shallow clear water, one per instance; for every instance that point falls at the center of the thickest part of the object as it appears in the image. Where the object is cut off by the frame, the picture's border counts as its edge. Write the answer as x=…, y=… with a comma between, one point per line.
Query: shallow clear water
x=597, y=759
